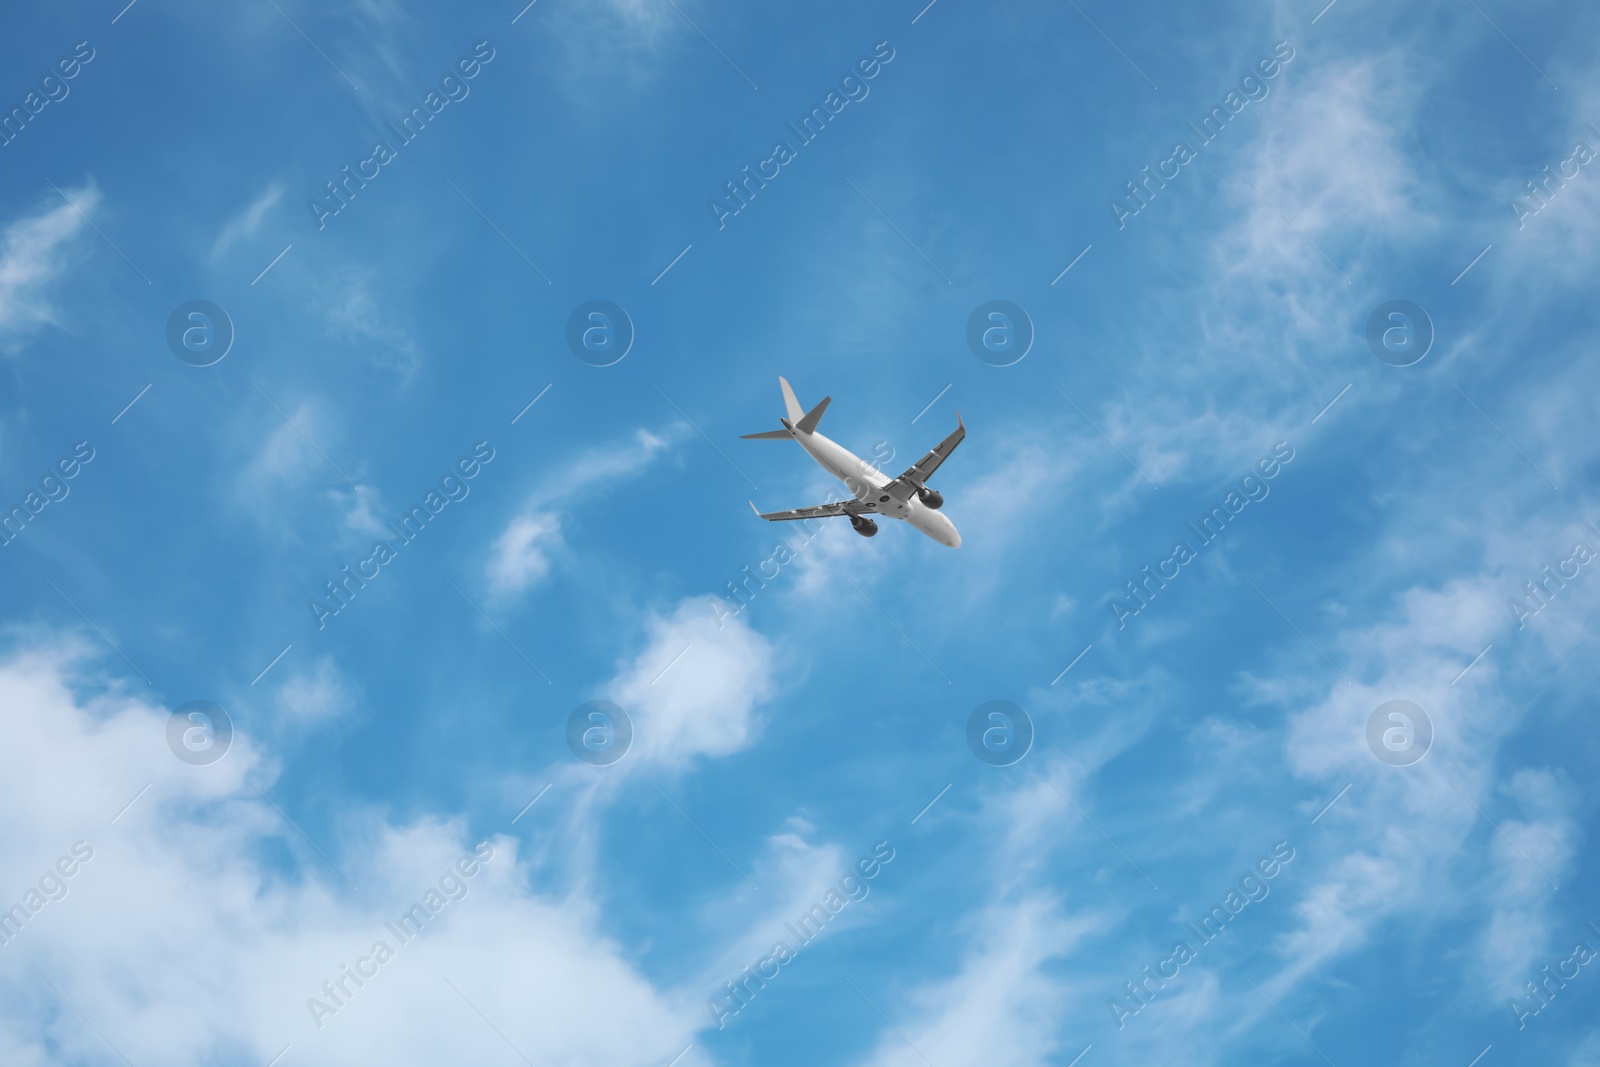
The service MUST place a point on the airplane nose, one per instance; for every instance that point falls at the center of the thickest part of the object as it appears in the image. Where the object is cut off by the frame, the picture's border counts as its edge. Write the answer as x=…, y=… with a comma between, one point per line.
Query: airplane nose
x=952, y=535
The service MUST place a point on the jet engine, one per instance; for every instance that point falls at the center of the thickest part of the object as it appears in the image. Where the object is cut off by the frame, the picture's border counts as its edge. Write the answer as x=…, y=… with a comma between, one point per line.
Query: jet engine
x=864, y=527
x=930, y=498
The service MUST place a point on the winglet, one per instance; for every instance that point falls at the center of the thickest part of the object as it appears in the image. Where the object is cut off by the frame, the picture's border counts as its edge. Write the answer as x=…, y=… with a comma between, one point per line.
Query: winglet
x=755, y=509
x=958, y=419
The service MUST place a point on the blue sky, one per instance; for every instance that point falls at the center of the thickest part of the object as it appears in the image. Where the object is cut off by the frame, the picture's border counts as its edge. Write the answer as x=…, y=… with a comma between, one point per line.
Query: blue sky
x=382, y=352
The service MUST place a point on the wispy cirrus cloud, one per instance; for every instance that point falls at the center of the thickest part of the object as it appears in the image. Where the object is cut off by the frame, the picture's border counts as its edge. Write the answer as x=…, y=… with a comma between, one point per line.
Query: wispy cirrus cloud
x=33, y=253
x=245, y=225
x=355, y=316
x=530, y=542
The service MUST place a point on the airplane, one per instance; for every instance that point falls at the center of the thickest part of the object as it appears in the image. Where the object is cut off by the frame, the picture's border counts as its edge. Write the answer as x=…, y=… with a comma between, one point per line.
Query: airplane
x=907, y=497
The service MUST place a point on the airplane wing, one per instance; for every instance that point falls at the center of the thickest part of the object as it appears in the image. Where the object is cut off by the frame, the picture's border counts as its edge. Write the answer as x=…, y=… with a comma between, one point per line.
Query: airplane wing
x=916, y=477
x=820, y=511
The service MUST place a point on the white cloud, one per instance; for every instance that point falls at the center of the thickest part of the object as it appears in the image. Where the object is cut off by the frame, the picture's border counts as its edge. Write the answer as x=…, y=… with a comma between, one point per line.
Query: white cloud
x=1521, y=927
x=285, y=457
x=1408, y=838
x=996, y=496
x=362, y=516
x=181, y=941
x=521, y=553
x=823, y=550
x=32, y=254
x=795, y=874
x=309, y=696
x=355, y=316
x=625, y=36
x=247, y=222
x=692, y=691
x=595, y=469
x=283, y=465
x=1012, y=998
x=1330, y=157
x=1330, y=153
x=1586, y=1053
x=1003, y=1006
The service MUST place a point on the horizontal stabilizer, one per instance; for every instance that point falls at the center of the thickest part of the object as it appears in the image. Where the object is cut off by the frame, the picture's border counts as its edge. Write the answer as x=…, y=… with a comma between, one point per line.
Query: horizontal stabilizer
x=770, y=435
x=814, y=416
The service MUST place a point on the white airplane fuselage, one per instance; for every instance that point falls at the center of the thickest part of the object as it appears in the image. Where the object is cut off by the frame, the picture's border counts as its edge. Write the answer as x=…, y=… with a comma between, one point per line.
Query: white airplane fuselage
x=863, y=480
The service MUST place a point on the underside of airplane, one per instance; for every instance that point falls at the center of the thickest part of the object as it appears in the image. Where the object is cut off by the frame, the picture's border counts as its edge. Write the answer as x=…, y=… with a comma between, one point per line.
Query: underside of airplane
x=907, y=497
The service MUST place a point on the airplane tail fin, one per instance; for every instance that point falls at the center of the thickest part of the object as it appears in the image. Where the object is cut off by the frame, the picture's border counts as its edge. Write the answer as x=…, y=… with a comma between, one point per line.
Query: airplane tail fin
x=812, y=417
x=791, y=406
x=797, y=422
